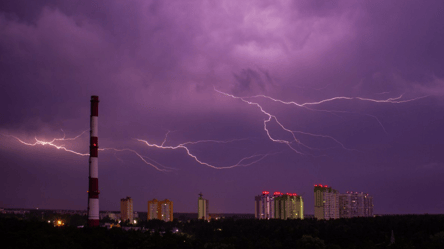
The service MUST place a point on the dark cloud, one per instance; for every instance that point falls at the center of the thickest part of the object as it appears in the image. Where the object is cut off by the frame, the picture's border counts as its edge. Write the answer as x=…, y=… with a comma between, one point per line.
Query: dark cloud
x=249, y=79
x=154, y=65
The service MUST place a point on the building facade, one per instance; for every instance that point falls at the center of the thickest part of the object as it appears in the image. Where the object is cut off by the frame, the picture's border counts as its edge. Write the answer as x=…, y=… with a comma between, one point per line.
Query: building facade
x=126, y=209
x=326, y=202
x=354, y=204
x=264, y=206
x=161, y=210
x=202, y=208
x=153, y=210
x=166, y=210
x=288, y=206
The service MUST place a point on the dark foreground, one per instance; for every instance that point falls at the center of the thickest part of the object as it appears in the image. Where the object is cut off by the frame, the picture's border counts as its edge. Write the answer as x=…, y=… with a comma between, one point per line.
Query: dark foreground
x=410, y=231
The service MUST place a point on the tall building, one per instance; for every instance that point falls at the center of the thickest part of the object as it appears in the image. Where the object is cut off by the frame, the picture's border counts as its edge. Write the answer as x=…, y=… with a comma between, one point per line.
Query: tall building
x=153, y=209
x=166, y=210
x=161, y=210
x=326, y=202
x=202, y=212
x=288, y=206
x=126, y=209
x=264, y=206
x=354, y=204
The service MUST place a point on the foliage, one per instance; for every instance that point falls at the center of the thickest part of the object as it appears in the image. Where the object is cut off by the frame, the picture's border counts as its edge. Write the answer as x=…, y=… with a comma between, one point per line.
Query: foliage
x=410, y=231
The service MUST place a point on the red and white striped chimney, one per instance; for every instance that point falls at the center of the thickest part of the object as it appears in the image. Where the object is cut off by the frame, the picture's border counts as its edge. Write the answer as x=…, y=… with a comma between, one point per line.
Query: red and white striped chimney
x=93, y=193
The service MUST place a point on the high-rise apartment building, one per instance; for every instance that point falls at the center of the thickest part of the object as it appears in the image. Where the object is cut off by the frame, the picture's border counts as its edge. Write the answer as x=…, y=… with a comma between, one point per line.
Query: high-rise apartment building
x=161, y=210
x=288, y=206
x=326, y=202
x=202, y=212
x=354, y=204
x=153, y=209
x=166, y=210
x=126, y=209
x=264, y=206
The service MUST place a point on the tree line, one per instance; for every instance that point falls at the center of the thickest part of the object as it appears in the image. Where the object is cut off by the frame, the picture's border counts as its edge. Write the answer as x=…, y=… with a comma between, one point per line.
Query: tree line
x=409, y=231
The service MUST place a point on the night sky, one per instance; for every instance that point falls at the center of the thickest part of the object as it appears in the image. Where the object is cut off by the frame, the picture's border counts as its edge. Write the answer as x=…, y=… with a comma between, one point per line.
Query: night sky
x=158, y=67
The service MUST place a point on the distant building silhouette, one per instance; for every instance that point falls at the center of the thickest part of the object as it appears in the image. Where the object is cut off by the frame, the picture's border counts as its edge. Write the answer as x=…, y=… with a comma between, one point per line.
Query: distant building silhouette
x=202, y=210
x=326, y=202
x=126, y=209
x=354, y=204
x=161, y=210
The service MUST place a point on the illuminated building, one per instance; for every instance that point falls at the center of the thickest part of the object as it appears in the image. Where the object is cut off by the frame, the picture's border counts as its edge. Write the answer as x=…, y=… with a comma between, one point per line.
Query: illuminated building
x=264, y=206
x=126, y=209
x=161, y=210
x=288, y=206
x=202, y=204
x=354, y=204
x=326, y=202
x=153, y=209
x=166, y=210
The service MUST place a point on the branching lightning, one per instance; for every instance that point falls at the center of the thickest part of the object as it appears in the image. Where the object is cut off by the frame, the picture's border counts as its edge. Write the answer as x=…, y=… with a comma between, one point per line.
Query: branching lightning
x=395, y=100
x=52, y=143
x=244, y=162
x=291, y=143
x=266, y=121
x=143, y=158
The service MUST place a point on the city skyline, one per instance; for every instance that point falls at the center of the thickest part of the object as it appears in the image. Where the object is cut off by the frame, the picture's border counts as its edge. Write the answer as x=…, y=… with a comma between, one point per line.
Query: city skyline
x=227, y=98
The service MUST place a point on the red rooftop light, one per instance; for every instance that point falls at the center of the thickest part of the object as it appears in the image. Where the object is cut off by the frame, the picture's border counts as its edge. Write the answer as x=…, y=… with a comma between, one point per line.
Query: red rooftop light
x=265, y=192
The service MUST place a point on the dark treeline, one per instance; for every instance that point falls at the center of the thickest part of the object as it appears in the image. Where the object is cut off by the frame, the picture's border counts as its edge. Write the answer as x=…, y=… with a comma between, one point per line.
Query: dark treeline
x=410, y=231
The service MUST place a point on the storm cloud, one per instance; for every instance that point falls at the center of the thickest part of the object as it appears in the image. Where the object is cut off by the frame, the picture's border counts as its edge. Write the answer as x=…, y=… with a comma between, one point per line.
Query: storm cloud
x=155, y=65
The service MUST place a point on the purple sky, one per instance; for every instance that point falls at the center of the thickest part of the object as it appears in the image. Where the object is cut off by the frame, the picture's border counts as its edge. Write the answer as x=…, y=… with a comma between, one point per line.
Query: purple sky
x=154, y=66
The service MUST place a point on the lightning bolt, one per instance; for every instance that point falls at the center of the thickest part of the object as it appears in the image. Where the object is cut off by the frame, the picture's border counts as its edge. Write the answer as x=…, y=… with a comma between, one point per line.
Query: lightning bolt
x=394, y=100
x=244, y=162
x=166, y=137
x=51, y=143
x=266, y=121
x=325, y=136
x=153, y=163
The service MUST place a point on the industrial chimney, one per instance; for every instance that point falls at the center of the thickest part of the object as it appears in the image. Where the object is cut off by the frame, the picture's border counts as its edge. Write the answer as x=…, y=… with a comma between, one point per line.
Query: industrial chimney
x=93, y=193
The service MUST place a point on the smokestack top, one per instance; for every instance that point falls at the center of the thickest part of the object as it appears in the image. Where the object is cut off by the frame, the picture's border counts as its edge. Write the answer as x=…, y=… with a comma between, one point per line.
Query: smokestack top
x=94, y=105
